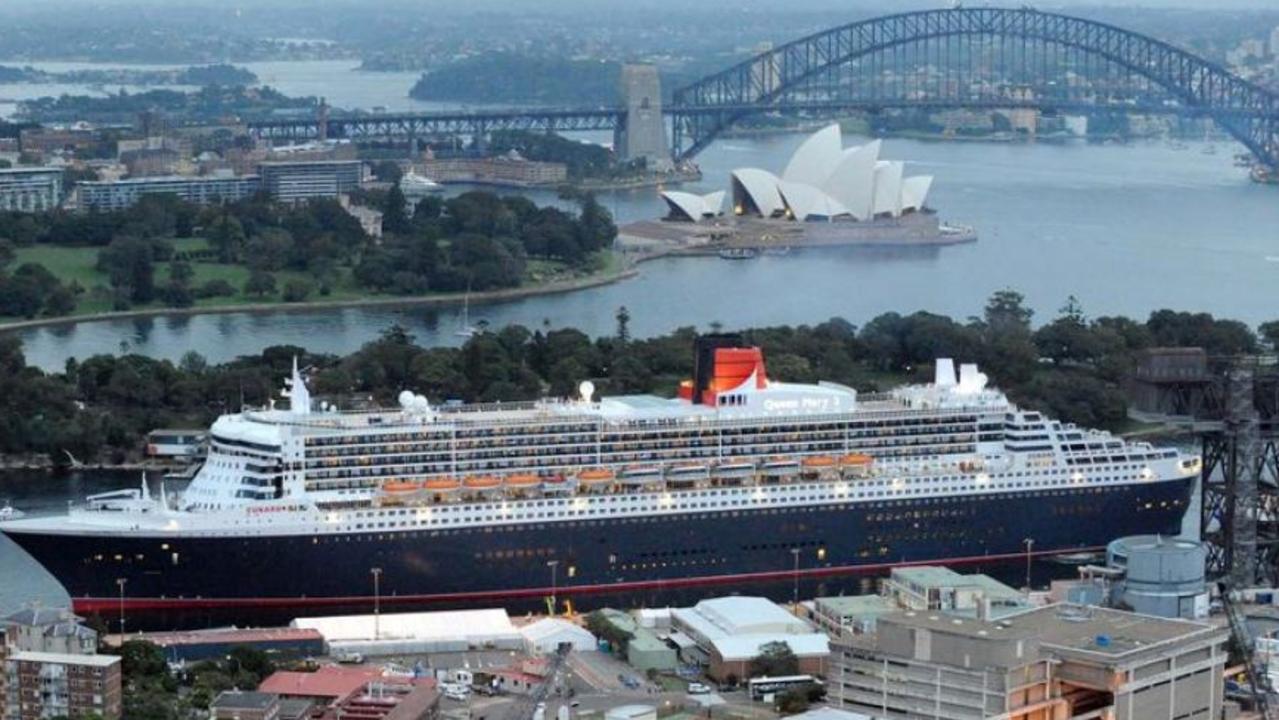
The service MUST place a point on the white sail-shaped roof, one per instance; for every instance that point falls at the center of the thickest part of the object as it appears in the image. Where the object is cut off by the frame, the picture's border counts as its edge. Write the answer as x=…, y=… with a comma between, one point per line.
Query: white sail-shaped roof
x=816, y=158
x=888, y=187
x=806, y=202
x=691, y=207
x=915, y=192
x=758, y=188
x=853, y=182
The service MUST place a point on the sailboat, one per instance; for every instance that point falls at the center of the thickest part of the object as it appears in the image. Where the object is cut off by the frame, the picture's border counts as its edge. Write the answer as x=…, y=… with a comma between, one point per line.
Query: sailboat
x=465, y=328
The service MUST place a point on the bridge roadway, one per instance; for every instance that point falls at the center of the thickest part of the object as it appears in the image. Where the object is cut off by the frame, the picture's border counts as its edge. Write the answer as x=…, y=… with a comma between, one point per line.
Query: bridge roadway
x=435, y=125
x=782, y=79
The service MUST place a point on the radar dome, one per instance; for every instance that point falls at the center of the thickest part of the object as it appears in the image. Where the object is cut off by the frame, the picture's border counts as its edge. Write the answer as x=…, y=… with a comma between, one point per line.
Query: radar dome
x=406, y=398
x=587, y=390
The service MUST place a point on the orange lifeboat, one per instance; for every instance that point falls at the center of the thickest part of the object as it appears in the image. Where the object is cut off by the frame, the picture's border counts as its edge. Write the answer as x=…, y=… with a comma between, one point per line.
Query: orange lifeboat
x=482, y=482
x=441, y=485
x=595, y=476
x=400, y=488
x=818, y=462
x=522, y=481
x=856, y=460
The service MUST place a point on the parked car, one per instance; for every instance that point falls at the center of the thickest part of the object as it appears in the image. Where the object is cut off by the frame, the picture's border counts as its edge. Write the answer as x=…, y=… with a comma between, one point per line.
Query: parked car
x=696, y=688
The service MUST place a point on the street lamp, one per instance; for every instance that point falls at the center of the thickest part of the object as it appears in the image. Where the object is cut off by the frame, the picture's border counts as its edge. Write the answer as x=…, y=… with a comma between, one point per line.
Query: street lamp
x=1030, y=543
x=377, y=602
x=554, y=566
x=120, y=583
x=795, y=590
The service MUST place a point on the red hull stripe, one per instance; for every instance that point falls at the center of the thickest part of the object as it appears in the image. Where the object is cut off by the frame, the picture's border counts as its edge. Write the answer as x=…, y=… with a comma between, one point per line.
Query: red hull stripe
x=106, y=604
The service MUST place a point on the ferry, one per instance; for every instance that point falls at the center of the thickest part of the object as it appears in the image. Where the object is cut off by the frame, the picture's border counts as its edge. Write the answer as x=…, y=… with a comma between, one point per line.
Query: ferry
x=739, y=478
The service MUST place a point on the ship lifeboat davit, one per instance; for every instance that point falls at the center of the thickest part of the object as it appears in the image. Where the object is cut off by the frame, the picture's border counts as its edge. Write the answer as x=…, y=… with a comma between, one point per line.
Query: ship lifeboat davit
x=640, y=475
x=595, y=479
x=856, y=464
x=482, y=483
x=397, y=491
x=777, y=469
x=523, y=481
x=441, y=485
x=779, y=466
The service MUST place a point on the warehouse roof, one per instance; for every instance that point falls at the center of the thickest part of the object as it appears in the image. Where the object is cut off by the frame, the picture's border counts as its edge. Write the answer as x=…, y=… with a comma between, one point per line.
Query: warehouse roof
x=738, y=627
x=470, y=626
x=550, y=627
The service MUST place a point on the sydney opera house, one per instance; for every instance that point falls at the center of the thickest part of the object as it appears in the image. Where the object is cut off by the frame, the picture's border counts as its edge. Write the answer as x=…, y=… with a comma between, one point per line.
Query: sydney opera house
x=824, y=181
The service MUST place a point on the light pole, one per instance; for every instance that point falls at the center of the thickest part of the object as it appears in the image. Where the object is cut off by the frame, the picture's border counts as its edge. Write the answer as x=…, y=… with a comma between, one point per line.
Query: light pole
x=377, y=602
x=795, y=590
x=120, y=583
x=554, y=566
x=1030, y=543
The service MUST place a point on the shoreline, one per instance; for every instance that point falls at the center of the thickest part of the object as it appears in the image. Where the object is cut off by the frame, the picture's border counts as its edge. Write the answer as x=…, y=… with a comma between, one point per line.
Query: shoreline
x=629, y=269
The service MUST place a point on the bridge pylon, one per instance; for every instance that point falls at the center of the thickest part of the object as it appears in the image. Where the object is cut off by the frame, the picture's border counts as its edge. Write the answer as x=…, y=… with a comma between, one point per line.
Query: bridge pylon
x=641, y=134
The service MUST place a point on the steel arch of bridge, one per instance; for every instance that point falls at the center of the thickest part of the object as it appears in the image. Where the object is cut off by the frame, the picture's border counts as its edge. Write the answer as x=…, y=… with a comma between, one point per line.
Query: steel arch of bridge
x=705, y=108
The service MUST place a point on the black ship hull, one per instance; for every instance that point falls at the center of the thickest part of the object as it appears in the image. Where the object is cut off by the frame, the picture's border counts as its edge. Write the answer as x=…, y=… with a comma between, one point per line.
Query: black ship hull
x=652, y=555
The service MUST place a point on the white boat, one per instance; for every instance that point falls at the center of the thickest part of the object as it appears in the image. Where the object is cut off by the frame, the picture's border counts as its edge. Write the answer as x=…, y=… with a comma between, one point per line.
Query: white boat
x=414, y=185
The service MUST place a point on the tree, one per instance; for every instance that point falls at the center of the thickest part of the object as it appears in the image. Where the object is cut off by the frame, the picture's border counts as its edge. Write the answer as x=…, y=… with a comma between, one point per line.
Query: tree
x=128, y=263
x=7, y=252
x=775, y=659
x=1269, y=331
x=623, y=317
x=142, y=659
x=296, y=290
x=260, y=284
x=388, y=171
x=1006, y=311
x=395, y=217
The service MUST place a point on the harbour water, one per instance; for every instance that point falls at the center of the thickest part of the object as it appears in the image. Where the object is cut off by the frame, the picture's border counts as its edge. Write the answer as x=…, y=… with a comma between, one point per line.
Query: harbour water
x=1127, y=229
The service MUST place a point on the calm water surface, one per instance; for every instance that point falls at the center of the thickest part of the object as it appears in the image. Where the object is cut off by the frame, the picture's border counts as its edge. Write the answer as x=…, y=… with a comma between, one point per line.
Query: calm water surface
x=1126, y=229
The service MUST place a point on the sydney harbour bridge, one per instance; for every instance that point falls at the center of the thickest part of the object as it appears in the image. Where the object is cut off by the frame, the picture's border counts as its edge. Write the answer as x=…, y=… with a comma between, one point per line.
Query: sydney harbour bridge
x=959, y=58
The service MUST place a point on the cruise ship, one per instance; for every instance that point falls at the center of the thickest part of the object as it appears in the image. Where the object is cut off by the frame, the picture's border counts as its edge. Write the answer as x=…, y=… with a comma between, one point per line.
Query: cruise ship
x=739, y=478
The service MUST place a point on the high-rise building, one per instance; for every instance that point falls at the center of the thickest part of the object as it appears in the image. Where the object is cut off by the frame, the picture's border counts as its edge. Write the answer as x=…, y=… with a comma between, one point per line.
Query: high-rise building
x=49, y=668
x=202, y=190
x=1051, y=663
x=53, y=685
x=289, y=181
x=30, y=189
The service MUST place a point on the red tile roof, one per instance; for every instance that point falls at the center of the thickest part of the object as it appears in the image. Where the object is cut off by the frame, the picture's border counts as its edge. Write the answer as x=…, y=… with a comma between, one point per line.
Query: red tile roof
x=330, y=681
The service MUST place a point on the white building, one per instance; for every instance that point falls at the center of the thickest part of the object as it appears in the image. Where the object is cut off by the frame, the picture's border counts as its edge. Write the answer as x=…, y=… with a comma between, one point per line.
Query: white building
x=690, y=207
x=825, y=181
x=416, y=633
x=30, y=189
x=301, y=180
x=202, y=190
x=732, y=631
x=547, y=635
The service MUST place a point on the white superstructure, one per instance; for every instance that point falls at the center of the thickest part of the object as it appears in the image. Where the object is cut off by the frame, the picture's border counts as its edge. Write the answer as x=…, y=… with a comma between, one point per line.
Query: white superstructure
x=760, y=443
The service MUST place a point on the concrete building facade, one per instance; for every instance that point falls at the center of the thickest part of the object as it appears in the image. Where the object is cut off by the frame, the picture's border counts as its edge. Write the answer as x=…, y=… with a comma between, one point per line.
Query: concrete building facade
x=111, y=195
x=30, y=189
x=298, y=181
x=1053, y=663
x=49, y=630
x=52, y=685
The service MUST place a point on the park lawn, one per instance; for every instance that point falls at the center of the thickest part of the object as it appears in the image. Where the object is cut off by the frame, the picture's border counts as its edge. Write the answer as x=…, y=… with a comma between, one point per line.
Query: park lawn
x=79, y=264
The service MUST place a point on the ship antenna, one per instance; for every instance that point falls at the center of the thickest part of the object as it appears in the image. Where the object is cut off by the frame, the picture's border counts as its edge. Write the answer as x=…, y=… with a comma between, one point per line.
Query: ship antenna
x=146, y=491
x=296, y=391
